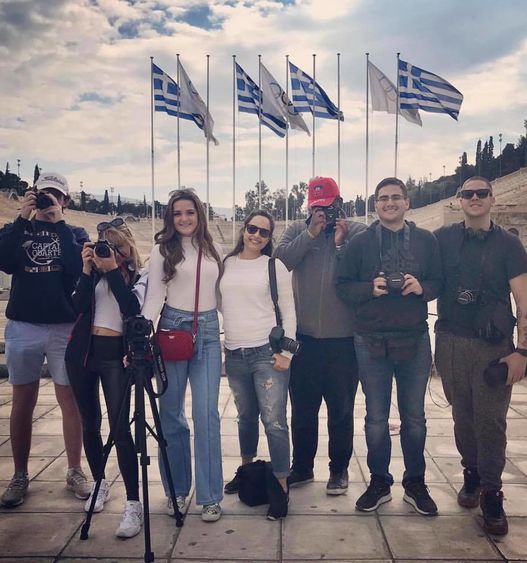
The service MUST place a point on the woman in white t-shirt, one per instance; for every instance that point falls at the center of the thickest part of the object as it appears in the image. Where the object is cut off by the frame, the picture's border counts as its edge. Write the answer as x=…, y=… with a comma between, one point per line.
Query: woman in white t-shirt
x=171, y=287
x=258, y=377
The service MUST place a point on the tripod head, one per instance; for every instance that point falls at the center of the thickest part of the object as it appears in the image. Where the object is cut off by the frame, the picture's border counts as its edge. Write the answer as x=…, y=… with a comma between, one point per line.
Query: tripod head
x=142, y=352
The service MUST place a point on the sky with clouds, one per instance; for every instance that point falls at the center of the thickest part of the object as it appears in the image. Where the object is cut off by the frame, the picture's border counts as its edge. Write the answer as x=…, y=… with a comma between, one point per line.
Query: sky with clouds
x=75, y=86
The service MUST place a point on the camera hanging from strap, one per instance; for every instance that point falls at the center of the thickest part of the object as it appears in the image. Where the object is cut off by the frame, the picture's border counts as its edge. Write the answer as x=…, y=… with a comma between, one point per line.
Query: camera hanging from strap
x=274, y=290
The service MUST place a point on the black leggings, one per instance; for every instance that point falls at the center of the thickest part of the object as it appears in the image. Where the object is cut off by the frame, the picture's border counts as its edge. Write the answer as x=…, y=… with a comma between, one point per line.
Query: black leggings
x=105, y=364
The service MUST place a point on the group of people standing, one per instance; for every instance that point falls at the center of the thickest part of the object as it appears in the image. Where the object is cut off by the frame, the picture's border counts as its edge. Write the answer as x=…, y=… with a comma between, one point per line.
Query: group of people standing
x=353, y=297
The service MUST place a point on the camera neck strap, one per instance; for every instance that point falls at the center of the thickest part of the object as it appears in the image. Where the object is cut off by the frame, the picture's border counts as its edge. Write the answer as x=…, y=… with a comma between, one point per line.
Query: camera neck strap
x=406, y=243
x=477, y=274
x=196, y=297
x=274, y=290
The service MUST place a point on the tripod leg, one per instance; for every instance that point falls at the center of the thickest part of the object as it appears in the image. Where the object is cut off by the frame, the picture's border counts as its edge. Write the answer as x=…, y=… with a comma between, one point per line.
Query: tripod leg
x=163, y=449
x=140, y=445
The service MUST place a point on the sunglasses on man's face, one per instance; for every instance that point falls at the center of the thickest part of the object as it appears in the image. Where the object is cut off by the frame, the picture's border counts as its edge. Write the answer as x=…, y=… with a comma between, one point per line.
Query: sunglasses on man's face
x=469, y=194
x=253, y=229
x=105, y=225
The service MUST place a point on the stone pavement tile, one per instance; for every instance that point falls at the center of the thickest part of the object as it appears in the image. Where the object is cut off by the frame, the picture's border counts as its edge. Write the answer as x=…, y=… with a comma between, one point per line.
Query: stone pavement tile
x=515, y=500
x=443, y=537
x=441, y=446
x=513, y=546
x=57, y=470
x=36, y=535
x=312, y=499
x=27, y=560
x=439, y=410
x=439, y=427
x=230, y=446
x=520, y=463
x=40, y=446
x=516, y=447
x=35, y=466
x=442, y=493
x=4, y=427
x=332, y=537
x=453, y=471
x=229, y=427
x=47, y=496
x=346, y=561
x=102, y=542
x=99, y=560
x=40, y=410
x=230, y=538
x=516, y=428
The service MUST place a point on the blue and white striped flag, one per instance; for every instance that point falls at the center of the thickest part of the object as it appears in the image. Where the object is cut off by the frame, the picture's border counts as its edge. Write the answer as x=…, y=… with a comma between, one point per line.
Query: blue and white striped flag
x=168, y=96
x=249, y=100
x=420, y=89
x=302, y=90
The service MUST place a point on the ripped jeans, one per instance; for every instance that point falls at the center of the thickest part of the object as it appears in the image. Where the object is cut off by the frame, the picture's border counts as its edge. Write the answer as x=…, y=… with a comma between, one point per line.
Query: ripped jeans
x=260, y=390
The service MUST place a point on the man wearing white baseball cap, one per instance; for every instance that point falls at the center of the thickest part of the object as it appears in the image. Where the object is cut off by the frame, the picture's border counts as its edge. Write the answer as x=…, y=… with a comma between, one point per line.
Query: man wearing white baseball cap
x=43, y=255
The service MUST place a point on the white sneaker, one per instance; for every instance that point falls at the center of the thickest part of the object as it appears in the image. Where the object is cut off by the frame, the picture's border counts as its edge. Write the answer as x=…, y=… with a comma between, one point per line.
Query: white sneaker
x=181, y=502
x=102, y=496
x=211, y=512
x=132, y=520
x=77, y=483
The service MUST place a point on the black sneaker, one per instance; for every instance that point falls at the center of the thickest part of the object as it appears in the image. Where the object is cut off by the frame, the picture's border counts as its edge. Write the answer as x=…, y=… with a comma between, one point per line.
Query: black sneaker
x=468, y=496
x=233, y=485
x=338, y=483
x=377, y=493
x=297, y=478
x=494, y=517
x=417, y=495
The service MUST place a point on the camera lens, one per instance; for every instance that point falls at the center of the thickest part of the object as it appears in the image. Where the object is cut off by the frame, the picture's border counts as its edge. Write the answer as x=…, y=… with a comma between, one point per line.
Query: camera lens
x=43, y=201
x=102, y=249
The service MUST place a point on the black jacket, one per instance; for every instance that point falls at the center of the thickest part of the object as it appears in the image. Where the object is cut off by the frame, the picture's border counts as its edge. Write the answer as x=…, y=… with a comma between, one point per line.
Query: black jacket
x=361, y=263
x=84, y=304
x=45, y=262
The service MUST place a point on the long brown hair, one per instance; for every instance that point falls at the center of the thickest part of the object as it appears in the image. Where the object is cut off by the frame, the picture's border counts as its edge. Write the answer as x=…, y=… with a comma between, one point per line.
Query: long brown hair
x=169, y=239
x=268, y=248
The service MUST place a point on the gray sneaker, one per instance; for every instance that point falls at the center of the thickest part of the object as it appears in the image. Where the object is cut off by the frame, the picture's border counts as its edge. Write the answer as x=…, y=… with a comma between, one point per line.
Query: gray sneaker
x=338, y=483
x=211, y=512
x=16, y=490
x=77, y=483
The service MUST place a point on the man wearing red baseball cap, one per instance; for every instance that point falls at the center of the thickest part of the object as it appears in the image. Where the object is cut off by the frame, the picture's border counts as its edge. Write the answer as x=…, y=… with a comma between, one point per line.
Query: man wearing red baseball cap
x=326, y=367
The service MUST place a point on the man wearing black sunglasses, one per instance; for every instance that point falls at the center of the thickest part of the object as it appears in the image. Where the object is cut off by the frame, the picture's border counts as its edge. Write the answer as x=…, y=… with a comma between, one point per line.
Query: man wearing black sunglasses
x=326, y=367
x=482, y=264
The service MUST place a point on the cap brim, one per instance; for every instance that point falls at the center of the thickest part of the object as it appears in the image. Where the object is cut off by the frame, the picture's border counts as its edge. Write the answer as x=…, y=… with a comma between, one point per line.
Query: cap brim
x=324, y=202
x=52, y=187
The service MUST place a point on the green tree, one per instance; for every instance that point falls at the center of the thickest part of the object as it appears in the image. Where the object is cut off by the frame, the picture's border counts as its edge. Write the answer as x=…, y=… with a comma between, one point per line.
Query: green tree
x=105, y=206
x=83, y=201
x=119, y=205
x=36, y=174
x=359, y=206
x=478, y=157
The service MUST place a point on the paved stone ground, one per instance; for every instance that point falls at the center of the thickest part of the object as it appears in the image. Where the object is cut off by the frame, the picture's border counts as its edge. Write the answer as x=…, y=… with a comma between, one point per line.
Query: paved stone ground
x=46, y=527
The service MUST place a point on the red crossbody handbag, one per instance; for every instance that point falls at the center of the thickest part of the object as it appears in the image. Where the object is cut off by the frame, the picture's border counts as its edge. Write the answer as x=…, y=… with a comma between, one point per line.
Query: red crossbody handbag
x=180, y=345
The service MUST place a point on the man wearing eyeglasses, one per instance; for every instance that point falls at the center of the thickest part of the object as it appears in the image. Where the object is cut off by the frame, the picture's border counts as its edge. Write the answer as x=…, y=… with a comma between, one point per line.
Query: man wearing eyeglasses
x=326, y=367
x=386, y=276
x=43, y=254
x=482, y=264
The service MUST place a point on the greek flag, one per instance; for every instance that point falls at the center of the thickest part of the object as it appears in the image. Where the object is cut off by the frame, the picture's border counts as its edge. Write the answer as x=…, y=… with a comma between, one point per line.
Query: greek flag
x=309, y=98
x=249, y=100
x=420, y=89
x=169, y=97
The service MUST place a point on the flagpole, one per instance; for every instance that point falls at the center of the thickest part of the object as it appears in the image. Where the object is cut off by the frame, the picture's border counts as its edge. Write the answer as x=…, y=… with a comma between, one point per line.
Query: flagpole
x=367, y=135
x=233, y=150
x=177, y=126
x=287, y=146
x=313, y=111
x=208, y=144
x=397, y=118
x=260, y=131
x=152, y=143
x=338, y=119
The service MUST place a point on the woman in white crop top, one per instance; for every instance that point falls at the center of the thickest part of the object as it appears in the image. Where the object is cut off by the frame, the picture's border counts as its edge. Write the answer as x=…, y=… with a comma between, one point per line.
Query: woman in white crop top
x=171, y=293
x=258, y=375
x=103, y=298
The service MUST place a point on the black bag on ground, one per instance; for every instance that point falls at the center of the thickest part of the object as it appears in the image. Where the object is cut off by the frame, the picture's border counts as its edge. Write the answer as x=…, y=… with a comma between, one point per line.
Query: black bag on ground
x=252, y=489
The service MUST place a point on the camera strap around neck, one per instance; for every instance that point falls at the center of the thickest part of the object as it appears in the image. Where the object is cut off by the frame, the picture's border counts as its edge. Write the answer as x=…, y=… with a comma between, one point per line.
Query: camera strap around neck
x=196, y=297
x=274, y=290
x=406, y=242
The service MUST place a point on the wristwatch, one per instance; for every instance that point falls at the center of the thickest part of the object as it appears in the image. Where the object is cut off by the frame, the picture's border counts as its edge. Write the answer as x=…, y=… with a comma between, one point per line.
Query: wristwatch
x=522, y=351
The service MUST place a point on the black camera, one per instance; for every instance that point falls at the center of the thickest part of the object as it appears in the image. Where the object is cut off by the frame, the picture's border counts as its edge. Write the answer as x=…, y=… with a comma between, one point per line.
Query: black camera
x=333, y=212
x=496, y=373
x=137, y=328
x=467, y=296
x=394, y=281
x=43, y=200
x=279, y=342
x=103, y=249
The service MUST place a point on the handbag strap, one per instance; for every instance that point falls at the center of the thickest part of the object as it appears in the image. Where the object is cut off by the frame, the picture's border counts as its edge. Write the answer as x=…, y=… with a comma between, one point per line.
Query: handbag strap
x=274, y=290
x=196, y=299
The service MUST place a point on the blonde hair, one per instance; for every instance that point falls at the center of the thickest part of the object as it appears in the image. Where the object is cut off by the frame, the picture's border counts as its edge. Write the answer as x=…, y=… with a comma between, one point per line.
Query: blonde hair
x=122, y=234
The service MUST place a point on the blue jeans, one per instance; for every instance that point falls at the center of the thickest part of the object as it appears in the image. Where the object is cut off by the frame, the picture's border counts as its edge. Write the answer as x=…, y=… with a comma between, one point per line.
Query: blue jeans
x=203, y=371
x=259, y=389
x=376, y=375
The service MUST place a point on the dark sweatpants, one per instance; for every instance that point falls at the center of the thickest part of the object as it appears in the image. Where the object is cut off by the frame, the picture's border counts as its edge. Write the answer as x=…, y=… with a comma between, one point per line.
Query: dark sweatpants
x=326, y=368
x=479, y=411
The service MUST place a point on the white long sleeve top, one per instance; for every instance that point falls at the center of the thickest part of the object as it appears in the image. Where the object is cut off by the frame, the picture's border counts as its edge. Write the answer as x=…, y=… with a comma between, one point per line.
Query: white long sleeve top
x=246, y=304
x=180, y=290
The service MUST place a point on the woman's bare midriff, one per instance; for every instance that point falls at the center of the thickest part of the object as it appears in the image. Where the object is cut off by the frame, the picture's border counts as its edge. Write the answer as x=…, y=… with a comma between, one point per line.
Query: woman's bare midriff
x=103, y=331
